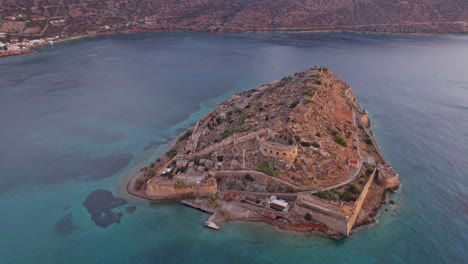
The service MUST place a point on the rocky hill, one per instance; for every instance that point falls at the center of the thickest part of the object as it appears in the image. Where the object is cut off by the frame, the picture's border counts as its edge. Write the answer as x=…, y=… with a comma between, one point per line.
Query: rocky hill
x=297, y=153
x=75, y=17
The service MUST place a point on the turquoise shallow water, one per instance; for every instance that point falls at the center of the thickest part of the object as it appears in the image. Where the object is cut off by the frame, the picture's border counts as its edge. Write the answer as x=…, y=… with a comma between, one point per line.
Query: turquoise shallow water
x=83, y=115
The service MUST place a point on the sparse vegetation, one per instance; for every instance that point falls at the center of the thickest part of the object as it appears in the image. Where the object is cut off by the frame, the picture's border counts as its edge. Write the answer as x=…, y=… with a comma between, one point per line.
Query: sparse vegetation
x=281, y=103
x=297, y=138
x=208, y=156
x=138, y=184
x=186, y=135
x=224, y=212
x=294, y=104
x=172, y=153
x=151, y=173
x=241, y=120
x=265, y=168
x=340, y=140
x=227, y=133
x=311, y=91
x=368, y=140
x=308, y=101
x=179, y=184
x=353, y=188
x=308, y=217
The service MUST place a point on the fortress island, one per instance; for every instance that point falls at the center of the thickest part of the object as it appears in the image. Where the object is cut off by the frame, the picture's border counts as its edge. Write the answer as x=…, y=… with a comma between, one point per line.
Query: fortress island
x=297, y=153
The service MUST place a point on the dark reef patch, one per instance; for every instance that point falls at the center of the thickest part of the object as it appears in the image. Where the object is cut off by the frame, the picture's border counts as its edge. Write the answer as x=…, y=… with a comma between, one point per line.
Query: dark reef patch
x=130, y=209
x=65, y=225
x=105, y=167
x=154, y=144
x=100, y=204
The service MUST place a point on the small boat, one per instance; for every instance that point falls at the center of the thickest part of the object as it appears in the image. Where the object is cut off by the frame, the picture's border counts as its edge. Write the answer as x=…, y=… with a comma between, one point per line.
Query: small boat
x=211, y=225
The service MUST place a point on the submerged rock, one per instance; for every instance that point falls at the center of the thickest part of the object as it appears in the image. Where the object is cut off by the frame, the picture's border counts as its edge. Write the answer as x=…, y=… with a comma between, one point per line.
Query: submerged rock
x=100, y=204
x=65, y=225
x=130, y=209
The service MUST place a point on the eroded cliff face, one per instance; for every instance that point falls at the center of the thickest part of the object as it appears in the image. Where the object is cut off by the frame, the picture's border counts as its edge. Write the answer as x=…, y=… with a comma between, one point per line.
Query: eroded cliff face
x=57, y=17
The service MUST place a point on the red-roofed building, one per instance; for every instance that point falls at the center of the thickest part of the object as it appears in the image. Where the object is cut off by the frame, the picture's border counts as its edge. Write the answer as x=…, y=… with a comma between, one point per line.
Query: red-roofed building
x=269, y=215
x=353, y=163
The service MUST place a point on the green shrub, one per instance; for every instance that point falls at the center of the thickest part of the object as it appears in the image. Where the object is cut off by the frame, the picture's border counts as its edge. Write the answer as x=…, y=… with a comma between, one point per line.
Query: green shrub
x=308, y=101
x=208, y=156
x=337, y=192
x=186, y=135
x=347, y=196
x=308, y=217
x=179, y=184
x=224, y=212
x=353, y=188
x=158, y=160
x=297, y=138
x=368, y=140
x=219, y=120
x=227, y=133
x=196, y=160
x=334, y=197
x=369, y=170
x=241, y=120
x=294, y=104
x=151, y=173
x=305, y=144
x=152, y=165
x=138, y=184
x=340, y=140
x=323, y=194
x=318, y=134
x=182, y=169
x=220, y=158
x=290, y=189
x=172, y=153
x=265, y=168
x=281, y=103
x=315, y=145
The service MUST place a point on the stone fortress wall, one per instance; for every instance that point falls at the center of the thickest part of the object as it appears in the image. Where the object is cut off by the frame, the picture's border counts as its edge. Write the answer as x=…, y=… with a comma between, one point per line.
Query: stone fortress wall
x=276, y=150
x=330, y=213
x=168, y=190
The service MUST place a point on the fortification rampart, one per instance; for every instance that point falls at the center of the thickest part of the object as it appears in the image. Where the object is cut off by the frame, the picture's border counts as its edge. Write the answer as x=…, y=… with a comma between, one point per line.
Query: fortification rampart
x=276, y=150
x=336, y=217
x=169, y=191
x=230, y=140
x=359, y=202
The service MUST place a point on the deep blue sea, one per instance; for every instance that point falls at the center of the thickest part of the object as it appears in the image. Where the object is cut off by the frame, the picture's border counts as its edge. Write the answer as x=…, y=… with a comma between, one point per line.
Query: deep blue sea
x=84, y=115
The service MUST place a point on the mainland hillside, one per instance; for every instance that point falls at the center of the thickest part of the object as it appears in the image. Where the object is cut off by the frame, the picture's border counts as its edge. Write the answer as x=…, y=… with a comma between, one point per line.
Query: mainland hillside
x=41, y=18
